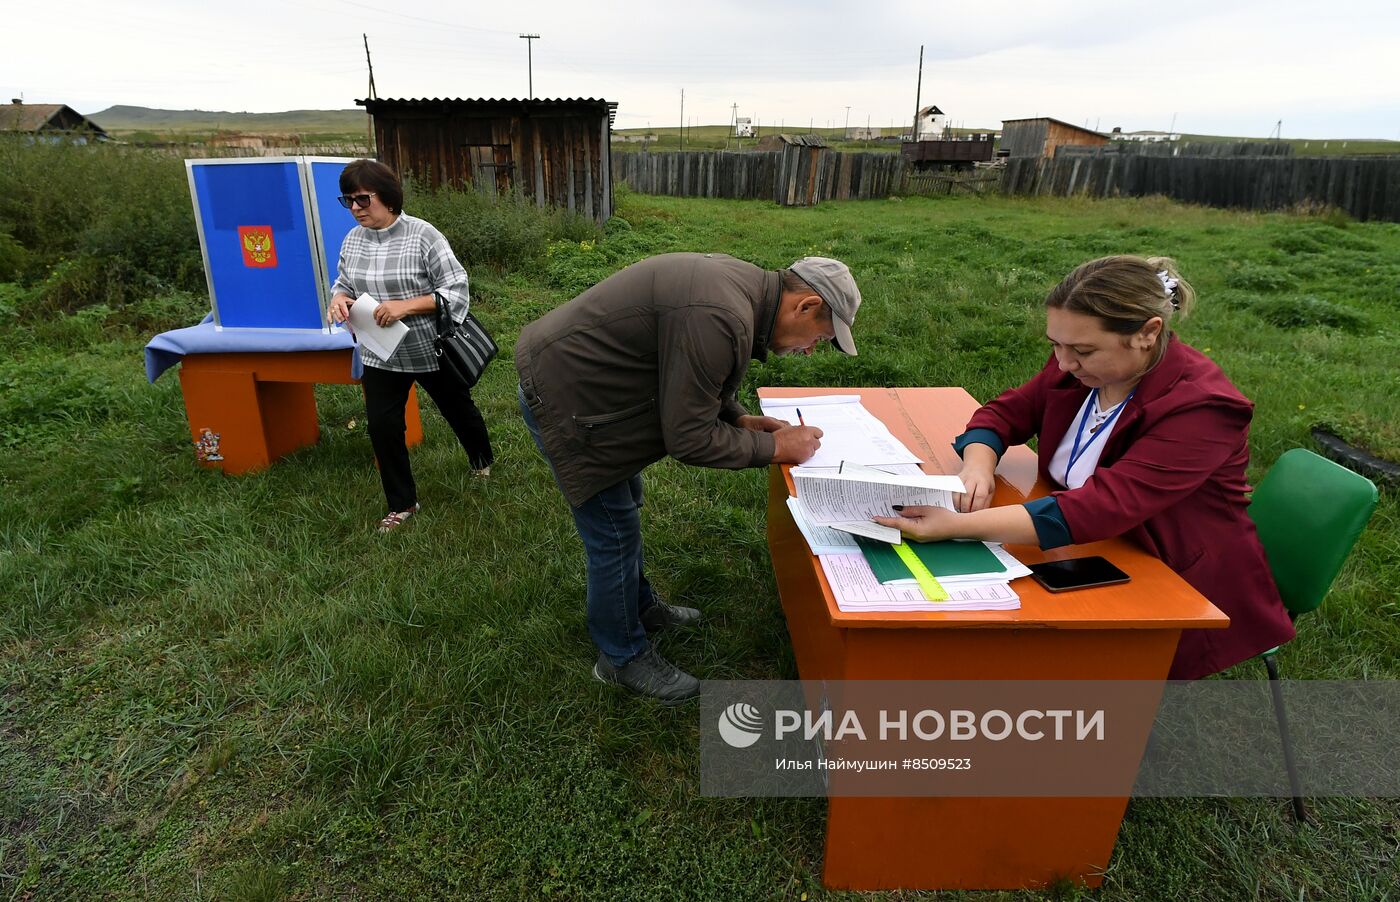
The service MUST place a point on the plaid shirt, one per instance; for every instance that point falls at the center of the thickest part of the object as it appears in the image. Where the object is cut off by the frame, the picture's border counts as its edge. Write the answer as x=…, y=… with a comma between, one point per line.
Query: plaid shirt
x=408, y=259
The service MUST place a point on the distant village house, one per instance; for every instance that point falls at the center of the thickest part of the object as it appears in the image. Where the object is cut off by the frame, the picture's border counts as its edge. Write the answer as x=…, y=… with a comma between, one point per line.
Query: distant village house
x=50, y=122
x=1147, y=135
x=1039, y=137
x=929, y=124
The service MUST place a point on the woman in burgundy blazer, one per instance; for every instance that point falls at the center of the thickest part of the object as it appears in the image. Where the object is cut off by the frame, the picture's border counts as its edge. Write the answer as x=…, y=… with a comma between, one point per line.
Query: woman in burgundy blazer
x=1170, y=468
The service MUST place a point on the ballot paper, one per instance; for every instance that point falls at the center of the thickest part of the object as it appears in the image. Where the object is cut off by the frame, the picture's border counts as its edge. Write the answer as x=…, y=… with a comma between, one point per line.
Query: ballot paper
x=821, y=539
x=849, y=431
x=381, y=341
x=847, y=500
x=855, y=588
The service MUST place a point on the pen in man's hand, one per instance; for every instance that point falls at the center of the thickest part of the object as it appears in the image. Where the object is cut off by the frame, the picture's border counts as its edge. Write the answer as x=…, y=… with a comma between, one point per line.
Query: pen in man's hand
x=800, y=421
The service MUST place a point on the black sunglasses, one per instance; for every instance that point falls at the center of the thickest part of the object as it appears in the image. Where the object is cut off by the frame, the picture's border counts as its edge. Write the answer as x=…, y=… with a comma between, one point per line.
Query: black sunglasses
x=362, y=200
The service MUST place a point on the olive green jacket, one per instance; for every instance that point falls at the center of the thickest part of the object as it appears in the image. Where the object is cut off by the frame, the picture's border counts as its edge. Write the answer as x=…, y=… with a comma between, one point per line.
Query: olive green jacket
x=646, y=364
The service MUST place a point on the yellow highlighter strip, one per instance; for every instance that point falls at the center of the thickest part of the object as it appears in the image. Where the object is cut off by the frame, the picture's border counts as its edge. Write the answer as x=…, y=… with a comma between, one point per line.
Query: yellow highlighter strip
x=931, y=588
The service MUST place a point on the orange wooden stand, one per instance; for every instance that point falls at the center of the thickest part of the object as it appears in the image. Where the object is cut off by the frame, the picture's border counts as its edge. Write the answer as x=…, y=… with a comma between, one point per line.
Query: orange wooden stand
x=1126, y=632
x=263, y=405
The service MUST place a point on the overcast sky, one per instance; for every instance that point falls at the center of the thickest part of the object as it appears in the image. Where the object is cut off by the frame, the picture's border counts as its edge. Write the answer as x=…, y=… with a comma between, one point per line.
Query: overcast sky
x=1326, y=69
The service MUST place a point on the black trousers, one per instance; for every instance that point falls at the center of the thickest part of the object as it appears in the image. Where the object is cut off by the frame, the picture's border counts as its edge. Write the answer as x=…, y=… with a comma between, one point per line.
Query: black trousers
x=386, y=392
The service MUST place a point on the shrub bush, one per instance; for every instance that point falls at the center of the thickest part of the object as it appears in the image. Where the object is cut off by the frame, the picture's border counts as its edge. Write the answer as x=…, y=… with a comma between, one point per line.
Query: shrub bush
x=1254, y=277
x=95, y=224
x=1304, y=311
x=505, y=233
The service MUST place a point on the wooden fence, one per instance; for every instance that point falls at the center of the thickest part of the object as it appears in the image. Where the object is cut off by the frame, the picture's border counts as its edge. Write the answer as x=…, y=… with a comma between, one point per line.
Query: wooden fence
x=1365, y=187
x=932, y=184
x=795, y=176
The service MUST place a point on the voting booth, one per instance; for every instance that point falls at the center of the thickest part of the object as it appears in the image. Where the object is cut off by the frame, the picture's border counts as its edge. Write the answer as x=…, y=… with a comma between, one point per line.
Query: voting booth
x=270, y=231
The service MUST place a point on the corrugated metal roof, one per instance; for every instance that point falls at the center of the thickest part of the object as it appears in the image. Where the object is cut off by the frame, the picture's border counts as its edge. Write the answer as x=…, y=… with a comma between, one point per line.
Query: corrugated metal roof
x=611, y=105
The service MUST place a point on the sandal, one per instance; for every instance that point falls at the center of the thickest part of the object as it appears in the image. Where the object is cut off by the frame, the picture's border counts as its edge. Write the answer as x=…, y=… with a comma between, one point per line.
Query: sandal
x=395, y=519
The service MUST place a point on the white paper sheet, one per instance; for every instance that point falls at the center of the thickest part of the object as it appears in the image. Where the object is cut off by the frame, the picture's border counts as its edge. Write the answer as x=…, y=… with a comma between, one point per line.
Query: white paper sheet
x=381, y=341
x=849, y=431
x=831, y=498
x=856, y=589
x=821, y=539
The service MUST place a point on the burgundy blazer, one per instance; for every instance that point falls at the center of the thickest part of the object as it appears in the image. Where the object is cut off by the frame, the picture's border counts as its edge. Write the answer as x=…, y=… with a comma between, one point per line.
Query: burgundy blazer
x=1172, y=478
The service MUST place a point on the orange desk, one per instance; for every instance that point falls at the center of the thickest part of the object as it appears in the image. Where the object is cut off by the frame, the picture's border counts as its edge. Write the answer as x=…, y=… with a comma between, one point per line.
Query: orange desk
x=263, y=405
x=1126, y=632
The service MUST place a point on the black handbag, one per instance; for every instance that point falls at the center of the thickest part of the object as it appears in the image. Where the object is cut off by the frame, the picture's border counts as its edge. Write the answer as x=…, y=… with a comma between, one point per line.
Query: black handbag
x=463, y=349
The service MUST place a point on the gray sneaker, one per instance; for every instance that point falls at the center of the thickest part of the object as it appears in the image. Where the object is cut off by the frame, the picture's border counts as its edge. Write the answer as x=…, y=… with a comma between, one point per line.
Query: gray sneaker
x=650, y=675
x=662, y=615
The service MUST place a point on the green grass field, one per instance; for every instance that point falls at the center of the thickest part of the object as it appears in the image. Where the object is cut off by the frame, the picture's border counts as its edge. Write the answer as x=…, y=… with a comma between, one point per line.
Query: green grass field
x=230, y=688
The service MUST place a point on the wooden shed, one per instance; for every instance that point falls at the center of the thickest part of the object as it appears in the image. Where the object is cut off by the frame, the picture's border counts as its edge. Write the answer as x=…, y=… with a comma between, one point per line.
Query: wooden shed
x=1040, y=137
x=555, y=151
x=799, y=181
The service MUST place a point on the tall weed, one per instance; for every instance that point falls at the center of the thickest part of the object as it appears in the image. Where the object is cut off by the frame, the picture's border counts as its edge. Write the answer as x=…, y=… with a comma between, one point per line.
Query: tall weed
x=95, y=224
x=505, y=233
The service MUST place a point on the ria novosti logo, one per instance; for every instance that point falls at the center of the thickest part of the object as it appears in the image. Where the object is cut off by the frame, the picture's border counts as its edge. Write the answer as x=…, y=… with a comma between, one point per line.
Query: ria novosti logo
x=740, y=725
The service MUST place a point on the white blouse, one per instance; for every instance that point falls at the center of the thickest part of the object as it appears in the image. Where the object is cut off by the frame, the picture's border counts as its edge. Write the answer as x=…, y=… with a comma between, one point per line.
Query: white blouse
x=1092, y=426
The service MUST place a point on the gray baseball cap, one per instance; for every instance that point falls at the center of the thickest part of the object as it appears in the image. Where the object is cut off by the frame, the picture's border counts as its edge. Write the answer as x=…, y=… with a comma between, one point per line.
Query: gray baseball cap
x=833, y=282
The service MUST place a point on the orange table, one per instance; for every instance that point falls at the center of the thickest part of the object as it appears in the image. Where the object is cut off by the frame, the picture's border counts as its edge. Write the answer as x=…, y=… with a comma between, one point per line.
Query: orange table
x=263, y=405
x=1126, y=632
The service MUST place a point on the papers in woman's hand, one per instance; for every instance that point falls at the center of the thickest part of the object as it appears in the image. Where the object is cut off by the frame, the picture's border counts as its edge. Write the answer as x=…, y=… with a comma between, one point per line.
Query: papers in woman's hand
x=848, y=499
x=381, y=341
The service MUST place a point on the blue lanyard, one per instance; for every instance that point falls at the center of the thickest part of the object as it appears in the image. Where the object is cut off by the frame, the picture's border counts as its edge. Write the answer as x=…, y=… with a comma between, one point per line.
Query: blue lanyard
x=1076, y=452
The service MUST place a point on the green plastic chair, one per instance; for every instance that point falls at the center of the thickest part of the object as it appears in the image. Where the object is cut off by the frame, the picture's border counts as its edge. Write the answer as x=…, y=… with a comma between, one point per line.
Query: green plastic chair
x=1309, y=512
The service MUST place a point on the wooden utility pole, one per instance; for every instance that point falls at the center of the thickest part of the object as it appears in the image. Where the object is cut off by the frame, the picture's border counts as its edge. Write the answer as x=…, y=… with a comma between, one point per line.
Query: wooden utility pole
x=682, y=125
x=918, y=92
x=530, y=40
x=369, y=126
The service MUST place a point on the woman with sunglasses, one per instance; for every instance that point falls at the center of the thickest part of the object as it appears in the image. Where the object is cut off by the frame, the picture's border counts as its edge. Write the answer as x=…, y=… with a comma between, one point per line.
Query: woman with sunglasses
x=400, y=261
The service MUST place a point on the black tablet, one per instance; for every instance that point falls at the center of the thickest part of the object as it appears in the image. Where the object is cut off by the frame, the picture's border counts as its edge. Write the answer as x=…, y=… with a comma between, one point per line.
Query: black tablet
x=1077, y=573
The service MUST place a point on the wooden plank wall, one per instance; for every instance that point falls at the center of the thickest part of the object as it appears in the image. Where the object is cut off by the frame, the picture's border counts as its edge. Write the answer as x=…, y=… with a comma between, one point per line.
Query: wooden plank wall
x=1365, y=187
x=1026, y=138
x=794, y=176
x=556, y=159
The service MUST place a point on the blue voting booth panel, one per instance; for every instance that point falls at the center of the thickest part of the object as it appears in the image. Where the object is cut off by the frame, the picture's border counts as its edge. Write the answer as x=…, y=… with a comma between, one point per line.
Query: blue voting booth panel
x=260, y=253
x=332, y=221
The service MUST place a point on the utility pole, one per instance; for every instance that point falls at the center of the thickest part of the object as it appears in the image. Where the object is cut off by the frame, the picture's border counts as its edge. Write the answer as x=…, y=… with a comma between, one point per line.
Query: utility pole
x=530, y=40
x=733, y=126
x=681, y=128
x=369, y=126
x=846, y=129
x=918, y=92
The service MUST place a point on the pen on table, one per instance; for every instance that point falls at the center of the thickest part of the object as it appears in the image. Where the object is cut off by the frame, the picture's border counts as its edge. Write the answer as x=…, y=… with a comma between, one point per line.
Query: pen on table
x=800, y=421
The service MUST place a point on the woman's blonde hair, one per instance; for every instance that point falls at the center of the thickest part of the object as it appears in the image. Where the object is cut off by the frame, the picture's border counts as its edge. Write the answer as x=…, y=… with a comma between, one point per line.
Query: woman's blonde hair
x=1125, y=291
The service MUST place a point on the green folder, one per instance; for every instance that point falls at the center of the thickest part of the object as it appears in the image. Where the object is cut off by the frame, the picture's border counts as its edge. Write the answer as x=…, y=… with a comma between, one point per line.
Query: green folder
x=941, y=558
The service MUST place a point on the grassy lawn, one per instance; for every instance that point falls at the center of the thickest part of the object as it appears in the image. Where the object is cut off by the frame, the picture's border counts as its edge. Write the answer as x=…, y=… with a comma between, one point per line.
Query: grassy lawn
x=230, y=688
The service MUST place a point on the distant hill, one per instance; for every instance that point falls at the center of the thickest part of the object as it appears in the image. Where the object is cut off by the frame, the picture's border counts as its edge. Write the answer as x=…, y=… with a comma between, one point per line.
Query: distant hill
x=120, y=119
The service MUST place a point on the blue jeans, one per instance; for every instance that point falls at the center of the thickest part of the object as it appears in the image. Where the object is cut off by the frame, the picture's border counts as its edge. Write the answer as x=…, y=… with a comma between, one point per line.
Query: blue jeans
x=610, y=525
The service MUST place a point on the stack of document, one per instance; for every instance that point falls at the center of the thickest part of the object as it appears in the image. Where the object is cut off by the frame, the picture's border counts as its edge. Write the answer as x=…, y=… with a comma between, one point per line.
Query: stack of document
x=855, y=587
x=864, y=473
